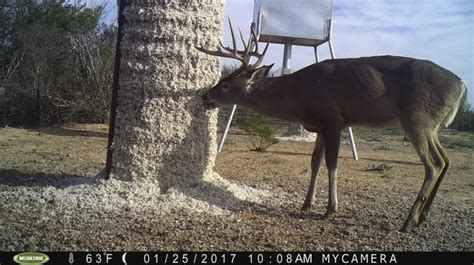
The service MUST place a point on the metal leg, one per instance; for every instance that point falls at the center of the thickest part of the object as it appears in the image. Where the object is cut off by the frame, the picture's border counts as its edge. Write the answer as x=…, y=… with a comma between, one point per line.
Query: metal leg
x=224, y=135
x=331, y=50
x=353, y=146
x=286, y=59
x=316, y=55
x=349, y=129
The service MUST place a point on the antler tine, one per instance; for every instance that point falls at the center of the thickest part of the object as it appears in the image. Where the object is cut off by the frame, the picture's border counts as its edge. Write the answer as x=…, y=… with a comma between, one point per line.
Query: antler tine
x=253, y=36
x=228, y=49
x=242, y=39
x=248, y=49
x=265, y=50
x=260, y=57
x=244, y=56
x=234, y=42
x=220, y=53
x=255, y=53
x=235, y=54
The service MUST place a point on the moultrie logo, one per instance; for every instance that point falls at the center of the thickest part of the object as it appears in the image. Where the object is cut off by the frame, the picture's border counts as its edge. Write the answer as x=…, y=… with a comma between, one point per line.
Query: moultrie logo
x=31, y=258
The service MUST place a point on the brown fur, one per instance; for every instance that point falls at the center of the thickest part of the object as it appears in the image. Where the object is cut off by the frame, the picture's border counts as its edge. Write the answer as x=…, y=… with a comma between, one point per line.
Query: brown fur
x=371, y=91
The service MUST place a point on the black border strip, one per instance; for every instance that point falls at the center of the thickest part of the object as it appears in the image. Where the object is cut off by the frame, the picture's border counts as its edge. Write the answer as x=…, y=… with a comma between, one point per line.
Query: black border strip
x=265, y=257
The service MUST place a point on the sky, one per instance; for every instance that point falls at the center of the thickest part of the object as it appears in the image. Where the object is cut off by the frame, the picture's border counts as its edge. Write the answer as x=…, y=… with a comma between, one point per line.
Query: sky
x=441, y=31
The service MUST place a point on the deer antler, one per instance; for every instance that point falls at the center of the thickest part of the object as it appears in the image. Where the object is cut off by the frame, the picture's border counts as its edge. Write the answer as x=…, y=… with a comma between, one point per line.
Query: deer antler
x=245, y=56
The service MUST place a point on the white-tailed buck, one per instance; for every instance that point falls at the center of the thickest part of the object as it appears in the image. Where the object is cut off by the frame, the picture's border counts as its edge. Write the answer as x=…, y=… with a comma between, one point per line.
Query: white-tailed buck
x=328, y=96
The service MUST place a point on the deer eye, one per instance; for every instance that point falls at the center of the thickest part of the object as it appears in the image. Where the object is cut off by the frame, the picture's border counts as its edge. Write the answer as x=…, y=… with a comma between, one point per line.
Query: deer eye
x=225, y=86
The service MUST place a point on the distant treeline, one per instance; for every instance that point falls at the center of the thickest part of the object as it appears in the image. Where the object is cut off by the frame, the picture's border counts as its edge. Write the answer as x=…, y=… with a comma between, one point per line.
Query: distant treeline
x=56, y=61
x=464, y=120
x=56, y=64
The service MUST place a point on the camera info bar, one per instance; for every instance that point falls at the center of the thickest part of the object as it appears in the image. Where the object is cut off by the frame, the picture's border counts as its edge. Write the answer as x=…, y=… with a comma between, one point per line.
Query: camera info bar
x=151, y=258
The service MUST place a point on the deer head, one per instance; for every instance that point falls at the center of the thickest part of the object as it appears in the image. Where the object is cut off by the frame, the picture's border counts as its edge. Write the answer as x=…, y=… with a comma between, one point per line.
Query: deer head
x=231, y=88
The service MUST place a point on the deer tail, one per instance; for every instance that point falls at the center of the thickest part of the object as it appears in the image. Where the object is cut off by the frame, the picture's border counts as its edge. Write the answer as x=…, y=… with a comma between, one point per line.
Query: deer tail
x=459, y=104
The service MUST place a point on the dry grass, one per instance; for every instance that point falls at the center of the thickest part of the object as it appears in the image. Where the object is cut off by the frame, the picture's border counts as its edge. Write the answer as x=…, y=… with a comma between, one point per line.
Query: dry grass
x=371, y=210
x=69, y=150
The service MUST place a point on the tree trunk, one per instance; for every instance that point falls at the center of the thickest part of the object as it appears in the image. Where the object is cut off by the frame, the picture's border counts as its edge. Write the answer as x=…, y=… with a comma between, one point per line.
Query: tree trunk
x=37, y=121
x=162, y=132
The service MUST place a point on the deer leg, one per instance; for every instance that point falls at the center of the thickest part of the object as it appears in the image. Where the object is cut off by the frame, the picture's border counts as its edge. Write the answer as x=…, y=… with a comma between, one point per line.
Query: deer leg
x=427, y=205
x=316, y=160
x=332, y=140
x=423, y=144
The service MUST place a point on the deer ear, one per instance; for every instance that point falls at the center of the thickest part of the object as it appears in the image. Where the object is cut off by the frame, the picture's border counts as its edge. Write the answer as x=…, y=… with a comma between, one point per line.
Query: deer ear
x=261, y=72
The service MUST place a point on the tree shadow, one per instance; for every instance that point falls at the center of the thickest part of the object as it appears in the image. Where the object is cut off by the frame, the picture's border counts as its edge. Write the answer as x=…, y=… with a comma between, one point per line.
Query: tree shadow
x=61, y=131
x=12, y=177
x=218, y=196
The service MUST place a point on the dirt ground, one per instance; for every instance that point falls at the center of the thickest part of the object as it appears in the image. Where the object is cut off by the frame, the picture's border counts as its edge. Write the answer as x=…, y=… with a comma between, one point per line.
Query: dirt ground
x=375, y=195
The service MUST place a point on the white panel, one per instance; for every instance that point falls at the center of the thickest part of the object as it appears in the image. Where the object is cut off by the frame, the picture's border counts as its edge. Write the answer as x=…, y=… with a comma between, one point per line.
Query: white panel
x=293, y=21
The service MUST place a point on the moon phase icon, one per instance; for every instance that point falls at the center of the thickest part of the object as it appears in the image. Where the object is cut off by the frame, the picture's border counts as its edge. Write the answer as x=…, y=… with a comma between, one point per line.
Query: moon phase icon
x=124, y=256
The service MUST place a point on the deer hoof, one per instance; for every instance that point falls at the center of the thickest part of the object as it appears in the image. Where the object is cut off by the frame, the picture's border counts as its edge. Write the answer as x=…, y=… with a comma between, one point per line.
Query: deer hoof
x=406, y=229
x=306, y=205
x=329, y=213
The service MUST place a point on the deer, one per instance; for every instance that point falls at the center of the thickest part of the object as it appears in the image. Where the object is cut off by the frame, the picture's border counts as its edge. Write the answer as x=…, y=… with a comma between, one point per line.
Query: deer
x=328, y=96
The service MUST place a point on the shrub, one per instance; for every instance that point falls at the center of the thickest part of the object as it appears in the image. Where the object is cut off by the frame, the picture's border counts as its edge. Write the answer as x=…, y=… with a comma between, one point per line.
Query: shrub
x=263, y=132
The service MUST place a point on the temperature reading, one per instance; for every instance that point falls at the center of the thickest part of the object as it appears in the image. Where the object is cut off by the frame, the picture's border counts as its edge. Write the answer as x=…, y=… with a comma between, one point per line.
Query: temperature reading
x=98, y=258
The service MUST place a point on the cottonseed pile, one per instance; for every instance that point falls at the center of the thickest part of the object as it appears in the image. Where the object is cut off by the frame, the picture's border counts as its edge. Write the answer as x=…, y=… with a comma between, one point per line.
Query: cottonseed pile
x=39, y=216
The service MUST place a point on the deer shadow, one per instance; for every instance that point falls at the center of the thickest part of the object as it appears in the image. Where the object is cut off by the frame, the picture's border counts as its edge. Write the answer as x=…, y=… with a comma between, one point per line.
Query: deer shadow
x=276, y=152
x=398, y=162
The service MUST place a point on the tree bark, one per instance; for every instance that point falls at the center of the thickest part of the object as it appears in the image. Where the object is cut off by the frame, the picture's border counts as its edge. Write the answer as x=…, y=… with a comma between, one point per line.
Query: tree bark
x=163, y=134
x=37, y=121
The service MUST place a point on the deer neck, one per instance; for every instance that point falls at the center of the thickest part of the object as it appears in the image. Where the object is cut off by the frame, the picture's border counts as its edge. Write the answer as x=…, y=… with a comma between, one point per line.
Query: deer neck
x=255, y=92
x=268, y=97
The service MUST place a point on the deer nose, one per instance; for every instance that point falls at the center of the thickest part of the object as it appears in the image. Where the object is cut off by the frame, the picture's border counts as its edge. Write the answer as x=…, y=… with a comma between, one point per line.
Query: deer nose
x=204, y=97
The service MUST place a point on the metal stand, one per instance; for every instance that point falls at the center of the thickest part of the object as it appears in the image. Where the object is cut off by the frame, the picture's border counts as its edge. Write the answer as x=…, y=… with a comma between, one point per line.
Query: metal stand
x=286, y=59
x=287, y=70
x=224, y=135
x=316, y=55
